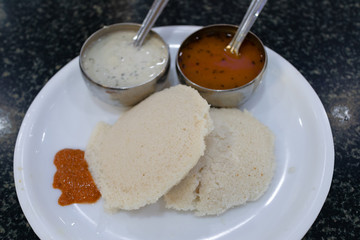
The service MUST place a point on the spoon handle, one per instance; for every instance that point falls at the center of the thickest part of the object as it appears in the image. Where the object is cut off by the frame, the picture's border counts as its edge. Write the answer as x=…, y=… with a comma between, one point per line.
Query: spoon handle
x=248, y=21
x=151, y=17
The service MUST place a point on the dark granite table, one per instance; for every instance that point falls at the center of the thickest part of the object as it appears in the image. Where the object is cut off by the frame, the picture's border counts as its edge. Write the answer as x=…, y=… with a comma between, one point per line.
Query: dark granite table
x=319, y=37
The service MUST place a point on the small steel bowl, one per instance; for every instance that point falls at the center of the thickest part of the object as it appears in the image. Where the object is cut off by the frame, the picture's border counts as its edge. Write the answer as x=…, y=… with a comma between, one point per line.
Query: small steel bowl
x=124, y=96
x=233, y=97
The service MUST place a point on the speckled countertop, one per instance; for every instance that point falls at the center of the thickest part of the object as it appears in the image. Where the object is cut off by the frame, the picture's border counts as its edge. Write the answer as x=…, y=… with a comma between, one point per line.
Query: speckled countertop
x=319, y=37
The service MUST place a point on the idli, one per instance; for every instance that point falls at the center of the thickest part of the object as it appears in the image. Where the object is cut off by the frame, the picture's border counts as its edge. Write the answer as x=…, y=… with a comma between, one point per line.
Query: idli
x=150, y=148
x=237, y=166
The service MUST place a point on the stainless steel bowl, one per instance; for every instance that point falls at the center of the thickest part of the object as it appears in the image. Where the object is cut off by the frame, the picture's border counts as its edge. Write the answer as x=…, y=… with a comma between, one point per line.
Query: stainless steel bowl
x=233, y=97
x=124, y=96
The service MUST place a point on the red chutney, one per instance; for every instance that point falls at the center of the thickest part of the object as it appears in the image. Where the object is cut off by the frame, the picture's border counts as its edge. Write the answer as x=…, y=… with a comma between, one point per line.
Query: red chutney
x=205, y=61
x=73, y=178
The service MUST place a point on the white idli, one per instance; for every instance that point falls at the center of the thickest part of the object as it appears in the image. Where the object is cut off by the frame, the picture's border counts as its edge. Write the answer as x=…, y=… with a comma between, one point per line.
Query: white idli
x=150, y=148
x=237, y=166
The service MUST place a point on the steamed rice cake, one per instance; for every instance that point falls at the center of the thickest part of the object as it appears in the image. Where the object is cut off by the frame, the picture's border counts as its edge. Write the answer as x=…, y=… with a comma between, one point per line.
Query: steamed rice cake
x=150, y=148
x=237, y=166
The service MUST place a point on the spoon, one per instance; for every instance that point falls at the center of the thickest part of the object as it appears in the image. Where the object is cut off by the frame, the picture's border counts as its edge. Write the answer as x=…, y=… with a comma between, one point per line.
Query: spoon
x=248, y=21
x=153, y=14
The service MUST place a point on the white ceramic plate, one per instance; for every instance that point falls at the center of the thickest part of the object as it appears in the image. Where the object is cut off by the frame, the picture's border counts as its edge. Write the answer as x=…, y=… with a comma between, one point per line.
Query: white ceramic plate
x=64, y=114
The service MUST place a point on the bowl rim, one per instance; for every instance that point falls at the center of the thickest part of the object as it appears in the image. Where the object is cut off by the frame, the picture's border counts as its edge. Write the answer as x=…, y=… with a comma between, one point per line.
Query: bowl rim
x=220, y=90
x=106, y=29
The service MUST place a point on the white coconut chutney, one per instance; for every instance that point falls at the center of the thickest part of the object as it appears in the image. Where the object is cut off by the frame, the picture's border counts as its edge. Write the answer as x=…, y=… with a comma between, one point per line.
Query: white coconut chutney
x=113, y=61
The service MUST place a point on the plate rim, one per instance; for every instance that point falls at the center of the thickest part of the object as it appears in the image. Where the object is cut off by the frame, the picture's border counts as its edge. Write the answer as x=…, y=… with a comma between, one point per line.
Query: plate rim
x=31, y=215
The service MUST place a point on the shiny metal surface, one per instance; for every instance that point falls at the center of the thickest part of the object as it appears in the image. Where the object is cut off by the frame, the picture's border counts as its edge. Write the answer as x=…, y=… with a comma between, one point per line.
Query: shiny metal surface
x=124, y=96
x=248, y=21
x=153, y=14
x=230, y=97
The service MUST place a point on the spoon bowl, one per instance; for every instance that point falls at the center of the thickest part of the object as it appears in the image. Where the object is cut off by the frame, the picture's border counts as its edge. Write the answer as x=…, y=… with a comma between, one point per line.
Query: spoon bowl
x=190, y=73
x=124, y=91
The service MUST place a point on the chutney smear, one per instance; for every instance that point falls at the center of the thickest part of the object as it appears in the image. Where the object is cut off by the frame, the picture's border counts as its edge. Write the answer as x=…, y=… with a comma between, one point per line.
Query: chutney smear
x=73, y=178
